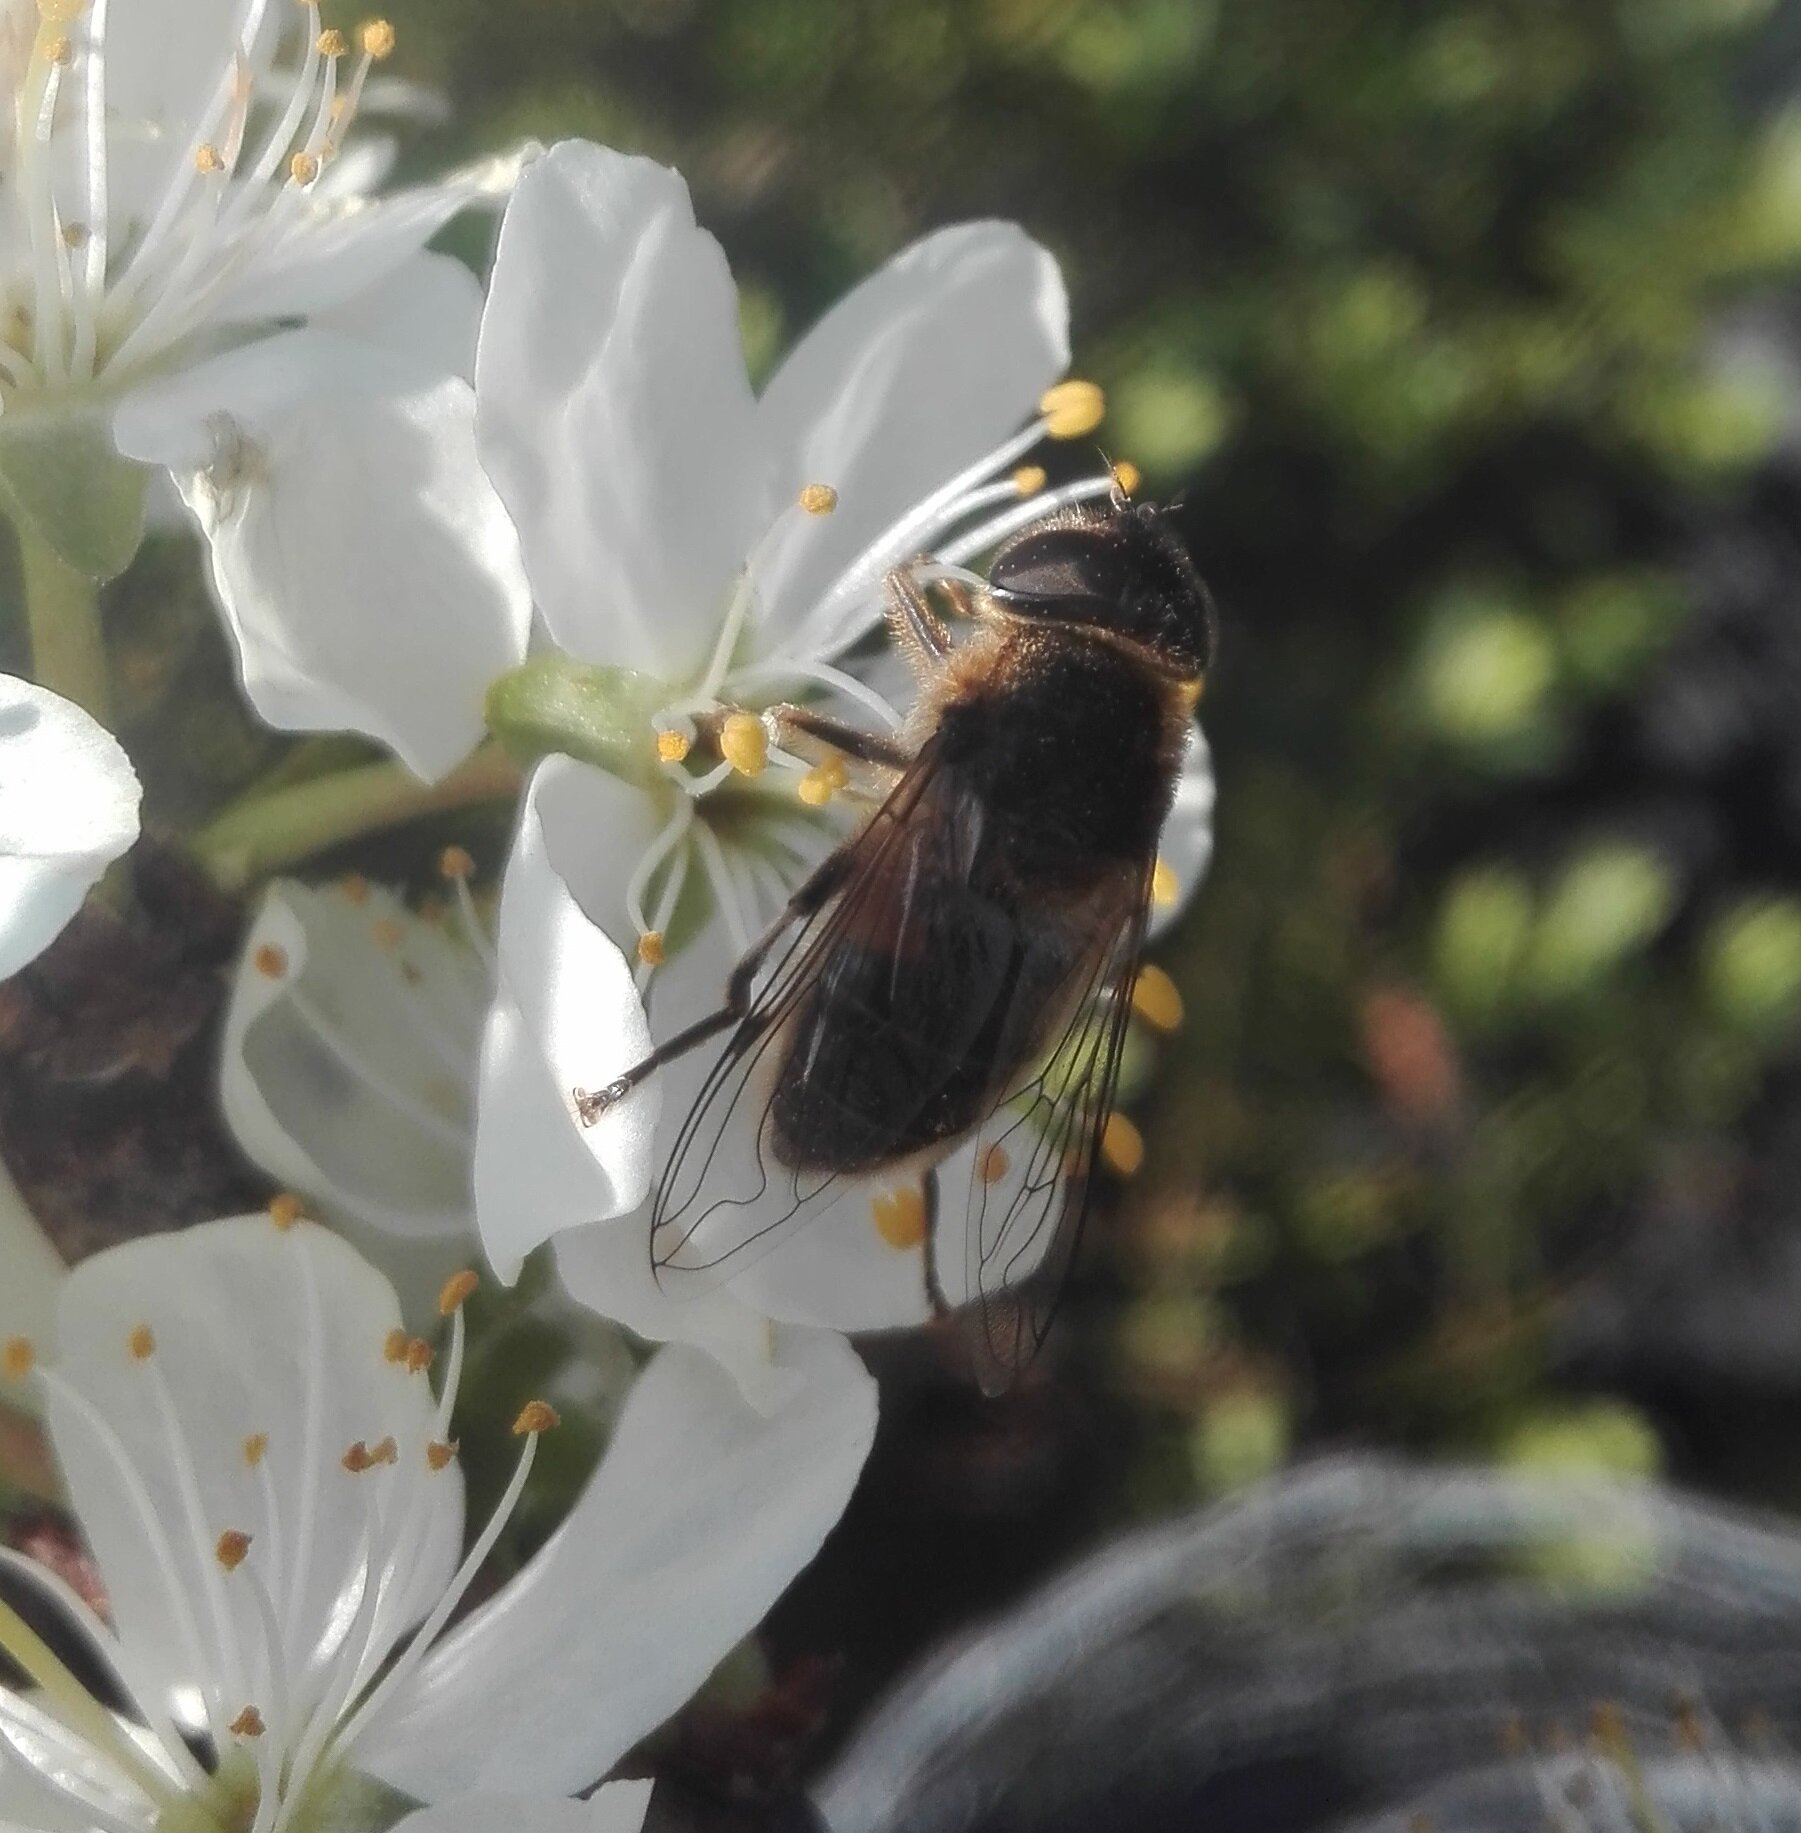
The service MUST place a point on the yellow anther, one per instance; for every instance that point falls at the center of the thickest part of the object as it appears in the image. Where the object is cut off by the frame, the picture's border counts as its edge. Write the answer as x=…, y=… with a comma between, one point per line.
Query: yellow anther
x=387, y=1452
x=376, y=37
x=394, y=1348
x=303, y=168
x=993, y=1164
x=650, y=948
x=1191, y=692
x=439, y=1452
x=455, y=863
x=285, y=1209
x=207, y=159
x=454, y=1290
x=386, y=932
x=900, y=1216
x=419, y=1354
x=357, y=1459
x=1122, y=1145
x=331, y=43
x=535, y=1416
x=270, y=961
x=141, y=1343
x=1164, y=889
x=1072, y=409
x=1028, y=480
x=256, y=1447
x=1127, y=477
x=815, y=787
x=355, y=888
x=819, y=499
x=744, y=744
x=248, y=1724
x=672, y=747
x=18, y=1356
x=836, y=771
x=231, y=1547
x=60, y=52
x=1156, y=999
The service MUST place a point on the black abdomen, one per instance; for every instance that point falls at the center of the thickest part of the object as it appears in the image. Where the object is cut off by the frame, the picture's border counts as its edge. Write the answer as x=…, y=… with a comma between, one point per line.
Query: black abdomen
x=977, y=922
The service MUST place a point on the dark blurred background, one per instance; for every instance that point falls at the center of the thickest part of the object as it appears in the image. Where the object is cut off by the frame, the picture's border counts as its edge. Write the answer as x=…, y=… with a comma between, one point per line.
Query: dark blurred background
x=1468, y=336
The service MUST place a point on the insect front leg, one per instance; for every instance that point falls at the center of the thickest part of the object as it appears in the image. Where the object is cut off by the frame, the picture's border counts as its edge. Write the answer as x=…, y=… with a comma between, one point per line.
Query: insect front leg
x=917, y=628
x=935, y=1295
x=804, y=904
x=873, y=760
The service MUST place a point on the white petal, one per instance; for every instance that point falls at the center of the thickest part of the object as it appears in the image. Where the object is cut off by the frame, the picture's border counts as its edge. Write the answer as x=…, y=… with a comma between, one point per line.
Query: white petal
x=614, y=413
x=928, y=364
x=68, y=809
x=345, y=246
x=700, y=1514
x=164, y=64
x=34, y=1276
x=565, y=1016
x=619, y=1807
x=1187, y=843
x=256, y=1330
x=366, y=570
x=429, y=309
x=350, y=1053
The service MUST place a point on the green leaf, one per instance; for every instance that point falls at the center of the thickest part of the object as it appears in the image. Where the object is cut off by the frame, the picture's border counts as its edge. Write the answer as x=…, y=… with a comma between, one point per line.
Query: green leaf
x=60, y=473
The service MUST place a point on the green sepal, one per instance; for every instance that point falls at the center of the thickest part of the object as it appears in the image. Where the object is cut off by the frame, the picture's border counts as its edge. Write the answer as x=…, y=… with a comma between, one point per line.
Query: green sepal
x=61, y=473
x=554, y=704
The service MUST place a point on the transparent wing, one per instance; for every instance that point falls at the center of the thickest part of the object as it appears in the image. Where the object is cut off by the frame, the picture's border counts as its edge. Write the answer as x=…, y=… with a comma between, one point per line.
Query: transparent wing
x=1028, y=1176
x=725, y=1197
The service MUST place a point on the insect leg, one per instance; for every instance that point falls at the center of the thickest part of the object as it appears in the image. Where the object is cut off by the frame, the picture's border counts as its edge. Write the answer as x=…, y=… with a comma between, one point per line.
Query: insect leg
x=803, y=724
x=941, y=1306
x=806, y=902
x=917, y=628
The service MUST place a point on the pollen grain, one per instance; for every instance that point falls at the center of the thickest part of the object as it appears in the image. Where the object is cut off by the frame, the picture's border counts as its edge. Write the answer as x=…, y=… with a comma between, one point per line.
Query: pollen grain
x=18, y=1356
x=1072, y=409
x=1157, y=999
x=1122, y=1146
x=744, y=744
x=900, y=1217
x=457, y=1288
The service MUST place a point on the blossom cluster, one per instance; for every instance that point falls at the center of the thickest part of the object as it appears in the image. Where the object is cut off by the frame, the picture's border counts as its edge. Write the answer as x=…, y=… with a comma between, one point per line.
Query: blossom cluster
x=560, y=513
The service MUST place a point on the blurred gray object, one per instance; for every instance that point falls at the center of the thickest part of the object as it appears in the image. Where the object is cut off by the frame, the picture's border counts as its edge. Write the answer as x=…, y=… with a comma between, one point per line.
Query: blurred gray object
x=1372, y=1644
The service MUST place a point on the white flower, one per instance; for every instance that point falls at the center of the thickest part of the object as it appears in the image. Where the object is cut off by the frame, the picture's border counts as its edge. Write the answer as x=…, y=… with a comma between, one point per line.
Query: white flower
x=257, y=1459
x=350, y=1050
x=671, y=524
x=191, y=270
x=68, y=809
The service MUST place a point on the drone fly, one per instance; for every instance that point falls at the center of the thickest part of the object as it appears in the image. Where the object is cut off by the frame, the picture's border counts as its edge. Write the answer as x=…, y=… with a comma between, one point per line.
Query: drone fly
x=946, y=997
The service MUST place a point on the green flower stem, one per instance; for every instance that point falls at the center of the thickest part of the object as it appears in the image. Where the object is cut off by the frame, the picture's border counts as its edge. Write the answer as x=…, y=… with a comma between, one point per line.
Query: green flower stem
x=266, y=832
x=62, y=613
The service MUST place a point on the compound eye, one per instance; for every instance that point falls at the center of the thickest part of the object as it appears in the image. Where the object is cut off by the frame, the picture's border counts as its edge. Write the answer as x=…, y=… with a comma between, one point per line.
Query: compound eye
x=1054, y=566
